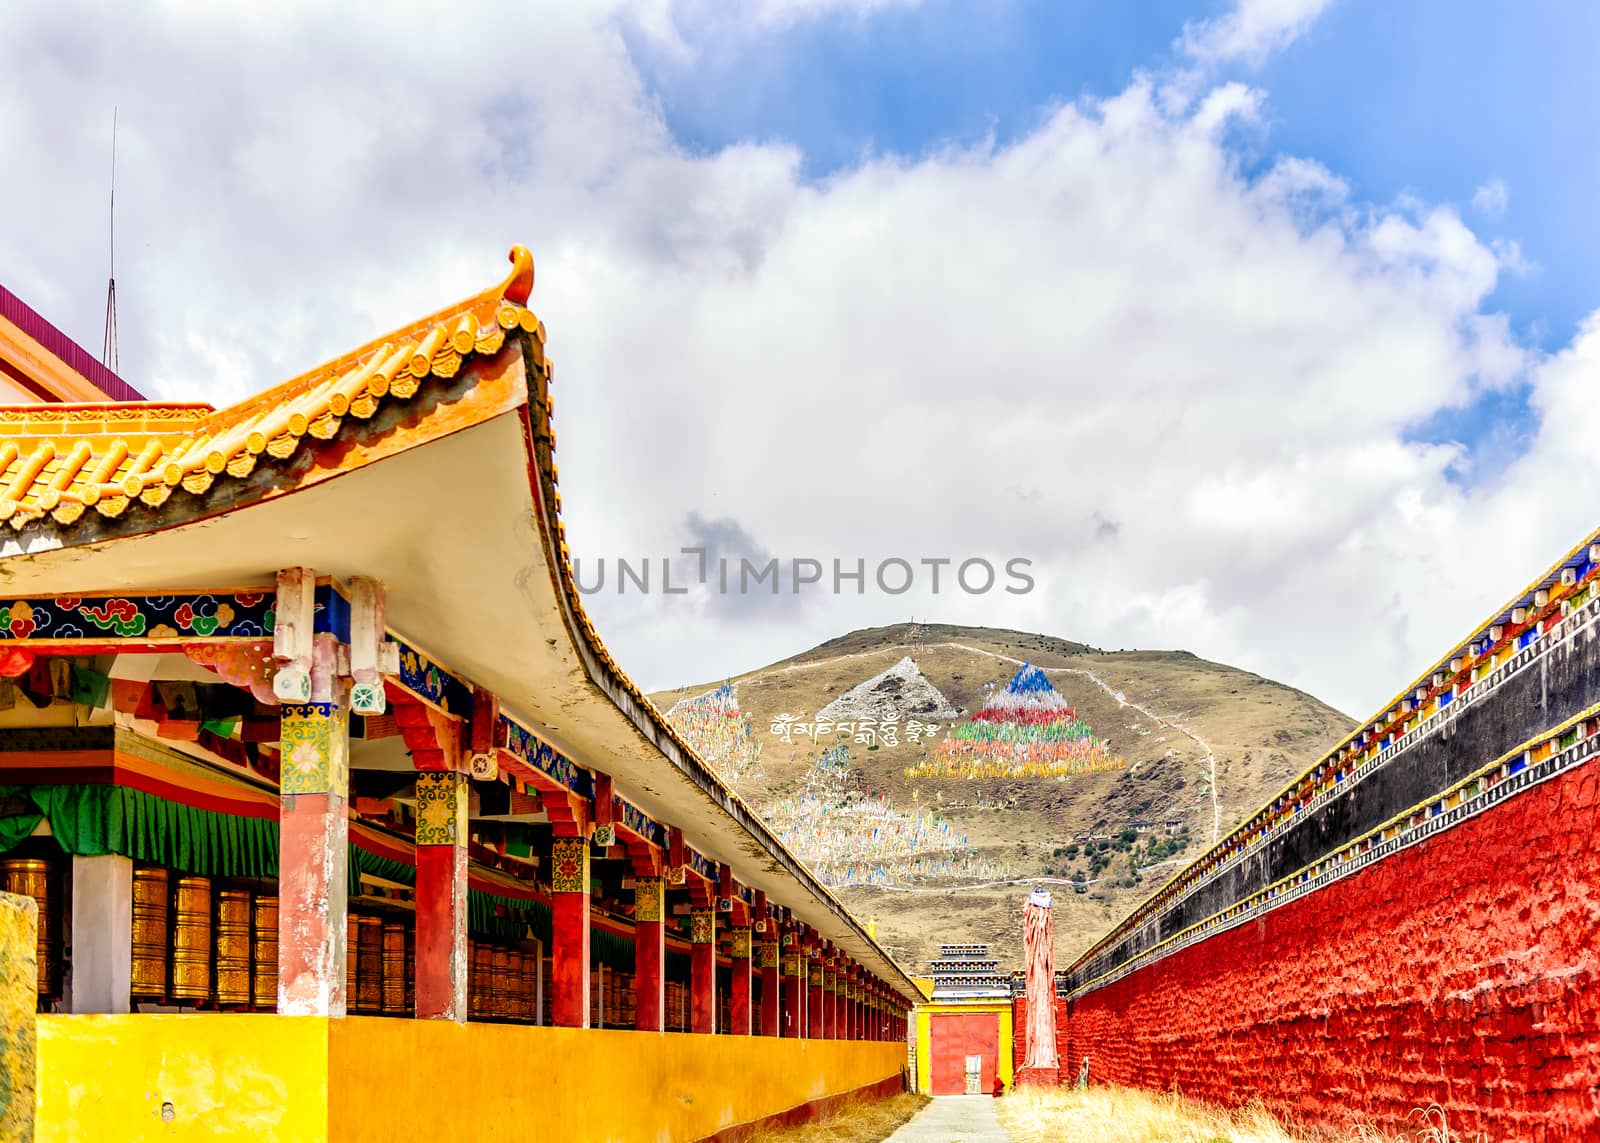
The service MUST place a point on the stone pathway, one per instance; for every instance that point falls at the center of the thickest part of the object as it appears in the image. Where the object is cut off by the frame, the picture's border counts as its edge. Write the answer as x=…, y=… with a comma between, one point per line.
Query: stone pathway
x=955, y=1119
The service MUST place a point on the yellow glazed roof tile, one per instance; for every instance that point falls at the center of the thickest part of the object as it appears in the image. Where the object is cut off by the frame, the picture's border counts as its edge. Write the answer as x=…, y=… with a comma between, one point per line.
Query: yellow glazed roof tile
x=61, y=460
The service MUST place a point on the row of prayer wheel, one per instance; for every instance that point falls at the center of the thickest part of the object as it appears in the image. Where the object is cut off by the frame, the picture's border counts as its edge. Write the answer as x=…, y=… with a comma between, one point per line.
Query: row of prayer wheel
x=613, y=1000
x=380, y=966
x=502, y=982
x=677, y=1006
x=40, y=879
x=195, y=943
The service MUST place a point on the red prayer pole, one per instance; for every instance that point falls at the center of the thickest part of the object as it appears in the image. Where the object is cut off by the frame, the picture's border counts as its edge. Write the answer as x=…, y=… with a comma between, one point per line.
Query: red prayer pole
x=703, y=971
x=441, y=896
x=569, y=953
x=649, y=954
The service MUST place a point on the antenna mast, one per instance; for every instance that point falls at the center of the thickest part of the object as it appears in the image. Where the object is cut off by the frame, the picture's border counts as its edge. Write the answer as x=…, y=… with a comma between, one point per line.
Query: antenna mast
x=108, y=349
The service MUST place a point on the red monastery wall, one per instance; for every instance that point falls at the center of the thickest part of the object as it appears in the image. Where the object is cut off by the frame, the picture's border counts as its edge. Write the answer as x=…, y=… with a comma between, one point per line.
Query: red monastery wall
x=1459, y=972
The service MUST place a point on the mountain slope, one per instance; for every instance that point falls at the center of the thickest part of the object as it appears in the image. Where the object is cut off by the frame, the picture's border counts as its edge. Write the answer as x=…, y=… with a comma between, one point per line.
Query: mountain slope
x=1203, y=744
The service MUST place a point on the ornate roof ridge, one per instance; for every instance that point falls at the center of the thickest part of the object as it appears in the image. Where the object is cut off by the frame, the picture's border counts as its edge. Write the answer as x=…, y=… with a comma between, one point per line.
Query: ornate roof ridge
x=81, y=458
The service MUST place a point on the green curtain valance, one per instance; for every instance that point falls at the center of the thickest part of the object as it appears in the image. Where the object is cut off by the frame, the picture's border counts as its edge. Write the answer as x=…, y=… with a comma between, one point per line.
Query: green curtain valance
x=92, y=820
x=506, y=918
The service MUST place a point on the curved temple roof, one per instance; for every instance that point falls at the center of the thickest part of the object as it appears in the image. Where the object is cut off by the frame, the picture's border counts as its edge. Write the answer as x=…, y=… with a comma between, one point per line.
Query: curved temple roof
x=423, y=459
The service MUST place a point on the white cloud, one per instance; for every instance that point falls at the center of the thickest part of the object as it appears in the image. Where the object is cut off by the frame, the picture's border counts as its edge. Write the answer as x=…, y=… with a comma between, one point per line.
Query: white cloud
x=1187, y=393
x=1491, y=199
x=1250, y=31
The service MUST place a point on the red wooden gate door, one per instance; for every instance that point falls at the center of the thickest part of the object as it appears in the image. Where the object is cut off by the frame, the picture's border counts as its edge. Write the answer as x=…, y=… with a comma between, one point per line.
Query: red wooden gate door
x=952, y=1038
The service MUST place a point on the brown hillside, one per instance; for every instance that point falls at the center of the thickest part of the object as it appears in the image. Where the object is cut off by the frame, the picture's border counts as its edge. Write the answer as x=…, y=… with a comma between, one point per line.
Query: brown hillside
x=1256, y=734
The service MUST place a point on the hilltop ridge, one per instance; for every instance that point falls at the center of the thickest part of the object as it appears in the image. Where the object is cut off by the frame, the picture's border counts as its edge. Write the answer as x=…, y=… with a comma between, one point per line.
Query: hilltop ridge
x=1201, y=744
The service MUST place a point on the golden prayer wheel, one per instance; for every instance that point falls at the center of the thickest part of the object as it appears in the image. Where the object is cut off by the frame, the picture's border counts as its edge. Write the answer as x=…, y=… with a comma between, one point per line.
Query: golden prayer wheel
x=264, y=953
x=513, y=978
x=411, y=971
x=36, y=878
x=191, y=939
x=233, y=947
x=479, y=981
x=151, y=908
x=500, y=984
x=369, y=989
x=530, y=985
x=352, y=963
x=394, y=968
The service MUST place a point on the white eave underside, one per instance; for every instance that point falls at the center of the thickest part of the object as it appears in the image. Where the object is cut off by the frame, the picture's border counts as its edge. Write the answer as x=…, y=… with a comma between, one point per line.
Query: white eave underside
x=449, y=528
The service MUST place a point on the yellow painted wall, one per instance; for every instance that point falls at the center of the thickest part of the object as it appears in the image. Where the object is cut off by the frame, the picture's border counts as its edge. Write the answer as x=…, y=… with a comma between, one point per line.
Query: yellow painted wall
x=226, y=1076
x=260, y=1077
x=925, y=1014
x=599, y=1086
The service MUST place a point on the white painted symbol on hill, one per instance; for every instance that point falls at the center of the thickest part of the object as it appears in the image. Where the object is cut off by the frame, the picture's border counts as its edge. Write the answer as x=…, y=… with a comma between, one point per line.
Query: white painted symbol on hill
x=900, y=692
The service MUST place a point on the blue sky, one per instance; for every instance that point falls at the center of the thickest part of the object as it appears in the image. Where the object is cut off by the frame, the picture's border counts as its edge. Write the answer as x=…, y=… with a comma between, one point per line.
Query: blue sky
x=1431, y=98
x=1196, y=401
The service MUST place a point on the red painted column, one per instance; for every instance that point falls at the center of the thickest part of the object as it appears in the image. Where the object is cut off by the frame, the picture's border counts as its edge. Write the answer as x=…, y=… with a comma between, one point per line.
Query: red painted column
x=830, y=1000
x=569, y=946
x=703, y=971
x=771, y=995
x=313, y=859
x=816, y=1026
x=739, y=998
x=649, y=954
x=441, y=943
x=794, y=989
x=852, y=1025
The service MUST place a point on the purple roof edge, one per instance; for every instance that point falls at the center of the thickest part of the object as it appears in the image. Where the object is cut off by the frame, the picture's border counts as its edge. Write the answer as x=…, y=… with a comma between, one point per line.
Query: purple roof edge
x=27, y=319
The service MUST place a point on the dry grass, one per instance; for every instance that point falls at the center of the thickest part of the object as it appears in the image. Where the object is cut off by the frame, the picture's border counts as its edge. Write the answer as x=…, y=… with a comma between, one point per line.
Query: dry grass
x=1127, y=1115
x=858, y=1120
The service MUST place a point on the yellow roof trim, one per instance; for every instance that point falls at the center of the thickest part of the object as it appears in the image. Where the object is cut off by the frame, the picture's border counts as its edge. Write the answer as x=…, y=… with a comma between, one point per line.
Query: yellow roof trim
x=59, y=460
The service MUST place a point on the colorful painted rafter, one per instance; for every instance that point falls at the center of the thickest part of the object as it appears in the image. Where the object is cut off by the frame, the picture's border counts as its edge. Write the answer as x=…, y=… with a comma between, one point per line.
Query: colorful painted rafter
x=1026, y=730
